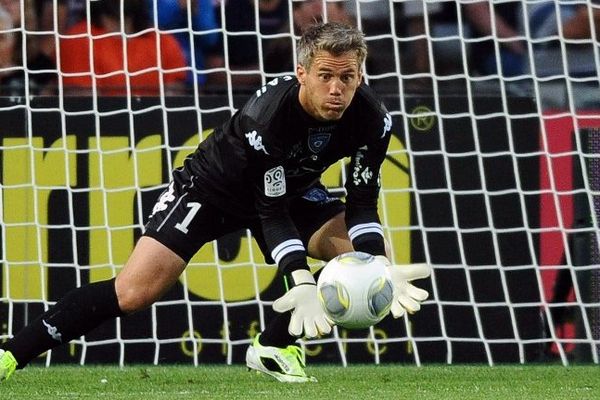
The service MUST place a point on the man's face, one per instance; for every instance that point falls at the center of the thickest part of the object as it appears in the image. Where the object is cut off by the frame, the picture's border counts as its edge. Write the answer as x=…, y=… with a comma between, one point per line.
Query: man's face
x=328, y=87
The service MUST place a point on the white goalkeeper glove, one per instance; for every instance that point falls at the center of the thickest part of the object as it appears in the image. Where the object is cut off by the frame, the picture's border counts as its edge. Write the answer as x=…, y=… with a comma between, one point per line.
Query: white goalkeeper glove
x=307, y=313
x=407, y=297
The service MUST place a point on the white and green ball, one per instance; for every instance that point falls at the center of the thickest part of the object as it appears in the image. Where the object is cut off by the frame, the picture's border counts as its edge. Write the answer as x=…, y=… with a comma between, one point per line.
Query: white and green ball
x=355, y=290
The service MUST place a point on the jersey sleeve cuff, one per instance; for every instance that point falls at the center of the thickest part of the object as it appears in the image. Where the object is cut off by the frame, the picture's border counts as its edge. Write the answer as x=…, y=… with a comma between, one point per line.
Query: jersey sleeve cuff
x=372, y=244
x=292, y=262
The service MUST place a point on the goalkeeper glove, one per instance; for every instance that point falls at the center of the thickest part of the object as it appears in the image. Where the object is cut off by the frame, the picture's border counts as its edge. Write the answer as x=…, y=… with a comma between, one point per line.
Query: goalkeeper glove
x=307, y=313
x=407, y=297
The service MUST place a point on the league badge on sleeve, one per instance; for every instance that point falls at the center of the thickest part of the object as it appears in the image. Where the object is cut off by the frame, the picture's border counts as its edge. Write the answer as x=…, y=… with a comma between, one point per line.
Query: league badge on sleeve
x=275, y=182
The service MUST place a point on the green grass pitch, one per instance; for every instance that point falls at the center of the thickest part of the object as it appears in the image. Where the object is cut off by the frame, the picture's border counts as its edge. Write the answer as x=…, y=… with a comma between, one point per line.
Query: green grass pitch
x=376, y=382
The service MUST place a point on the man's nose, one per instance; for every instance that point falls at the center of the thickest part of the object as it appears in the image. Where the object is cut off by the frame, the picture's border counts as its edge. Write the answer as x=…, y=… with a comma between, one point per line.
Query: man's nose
x=336, y=87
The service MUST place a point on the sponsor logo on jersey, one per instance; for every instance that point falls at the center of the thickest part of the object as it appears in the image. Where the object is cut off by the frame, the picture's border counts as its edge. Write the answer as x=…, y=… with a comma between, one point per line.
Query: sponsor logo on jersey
x=275, y=182
x=255, y=141
x=295, y=150
x=361, y=174
x=366, y=175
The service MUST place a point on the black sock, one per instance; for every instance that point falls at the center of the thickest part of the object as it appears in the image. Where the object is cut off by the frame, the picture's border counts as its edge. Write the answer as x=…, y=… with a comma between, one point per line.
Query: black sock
x=276, y=333
x=79, y=311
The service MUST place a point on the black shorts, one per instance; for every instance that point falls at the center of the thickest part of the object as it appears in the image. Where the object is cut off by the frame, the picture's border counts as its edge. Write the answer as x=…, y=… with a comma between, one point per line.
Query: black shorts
x=184, y=223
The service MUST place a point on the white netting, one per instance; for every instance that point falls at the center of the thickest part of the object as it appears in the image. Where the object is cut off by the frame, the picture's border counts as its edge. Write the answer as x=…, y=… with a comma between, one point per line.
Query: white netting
x=492, y=175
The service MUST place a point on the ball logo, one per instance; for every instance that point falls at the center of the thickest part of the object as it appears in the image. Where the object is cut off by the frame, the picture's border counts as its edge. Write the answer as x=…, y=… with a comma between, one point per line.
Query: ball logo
x=275, y=182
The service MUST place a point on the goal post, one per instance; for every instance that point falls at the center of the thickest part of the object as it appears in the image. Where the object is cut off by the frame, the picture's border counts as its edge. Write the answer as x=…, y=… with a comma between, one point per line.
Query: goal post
x=492, y=179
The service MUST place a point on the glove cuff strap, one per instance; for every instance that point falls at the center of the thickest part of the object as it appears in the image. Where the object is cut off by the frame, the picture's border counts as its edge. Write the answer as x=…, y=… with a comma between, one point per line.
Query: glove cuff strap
x=299, y=277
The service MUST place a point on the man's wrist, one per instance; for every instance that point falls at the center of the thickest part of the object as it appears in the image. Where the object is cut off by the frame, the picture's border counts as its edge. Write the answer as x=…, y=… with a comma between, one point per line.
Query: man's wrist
x=370, y=243
x=298, y=277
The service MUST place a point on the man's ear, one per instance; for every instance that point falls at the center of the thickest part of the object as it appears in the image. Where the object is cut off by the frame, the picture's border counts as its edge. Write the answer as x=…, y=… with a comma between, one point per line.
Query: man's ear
x=301, y=73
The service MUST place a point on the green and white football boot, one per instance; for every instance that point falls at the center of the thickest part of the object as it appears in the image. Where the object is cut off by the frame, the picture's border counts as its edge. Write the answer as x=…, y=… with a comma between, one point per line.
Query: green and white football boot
x=8, y=365
x=284, y=364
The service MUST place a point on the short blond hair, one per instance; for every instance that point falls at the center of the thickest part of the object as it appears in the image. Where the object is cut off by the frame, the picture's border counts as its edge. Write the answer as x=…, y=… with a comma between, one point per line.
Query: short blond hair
x=333, y=37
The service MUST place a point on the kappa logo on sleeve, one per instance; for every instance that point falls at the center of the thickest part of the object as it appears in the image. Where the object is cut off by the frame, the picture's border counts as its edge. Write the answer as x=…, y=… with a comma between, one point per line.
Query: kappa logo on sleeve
x=387, y=124
x=275, y=182
x=165, y=198
x=255, y=140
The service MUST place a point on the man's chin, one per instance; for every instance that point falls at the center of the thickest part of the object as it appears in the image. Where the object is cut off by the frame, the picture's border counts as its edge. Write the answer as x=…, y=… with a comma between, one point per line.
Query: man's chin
x=332, y=115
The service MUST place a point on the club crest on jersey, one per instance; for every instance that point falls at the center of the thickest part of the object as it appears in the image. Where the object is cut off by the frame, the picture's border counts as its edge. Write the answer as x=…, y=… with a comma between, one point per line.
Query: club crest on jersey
x=275, y=182
x=317, y=195
x=318, y=141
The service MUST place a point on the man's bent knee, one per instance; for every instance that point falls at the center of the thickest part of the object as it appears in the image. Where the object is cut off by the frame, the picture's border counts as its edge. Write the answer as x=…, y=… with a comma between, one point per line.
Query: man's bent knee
x=330, y=240
x=150, y=271
x=133, y=298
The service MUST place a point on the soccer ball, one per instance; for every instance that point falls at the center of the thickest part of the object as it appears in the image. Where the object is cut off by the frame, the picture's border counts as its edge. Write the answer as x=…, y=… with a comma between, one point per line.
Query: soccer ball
x=355, y=290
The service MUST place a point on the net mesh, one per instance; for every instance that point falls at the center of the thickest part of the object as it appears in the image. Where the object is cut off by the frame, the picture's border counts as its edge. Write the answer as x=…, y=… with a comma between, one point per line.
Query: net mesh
x=491, y=175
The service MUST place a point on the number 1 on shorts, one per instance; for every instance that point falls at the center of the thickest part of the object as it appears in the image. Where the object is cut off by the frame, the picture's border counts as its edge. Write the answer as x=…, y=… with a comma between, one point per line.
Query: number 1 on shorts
x=183, y=225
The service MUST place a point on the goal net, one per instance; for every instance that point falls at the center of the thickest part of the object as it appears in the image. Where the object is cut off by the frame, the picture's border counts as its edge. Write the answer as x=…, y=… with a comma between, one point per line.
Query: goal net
x=492, y=175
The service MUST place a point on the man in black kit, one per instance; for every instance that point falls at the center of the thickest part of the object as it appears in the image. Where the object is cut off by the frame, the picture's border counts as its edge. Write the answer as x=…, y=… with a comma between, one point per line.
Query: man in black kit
x=260, y=170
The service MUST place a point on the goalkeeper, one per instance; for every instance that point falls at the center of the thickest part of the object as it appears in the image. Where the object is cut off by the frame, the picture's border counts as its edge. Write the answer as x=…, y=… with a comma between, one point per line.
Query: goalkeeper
x=260, y=170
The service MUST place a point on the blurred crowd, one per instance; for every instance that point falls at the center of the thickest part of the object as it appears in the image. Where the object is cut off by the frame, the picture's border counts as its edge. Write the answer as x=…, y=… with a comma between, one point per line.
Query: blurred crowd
x=153, y=47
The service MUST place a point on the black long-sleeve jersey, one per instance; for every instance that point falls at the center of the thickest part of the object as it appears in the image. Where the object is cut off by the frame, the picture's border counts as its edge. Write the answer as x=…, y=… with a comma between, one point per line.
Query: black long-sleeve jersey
x=272, y=150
